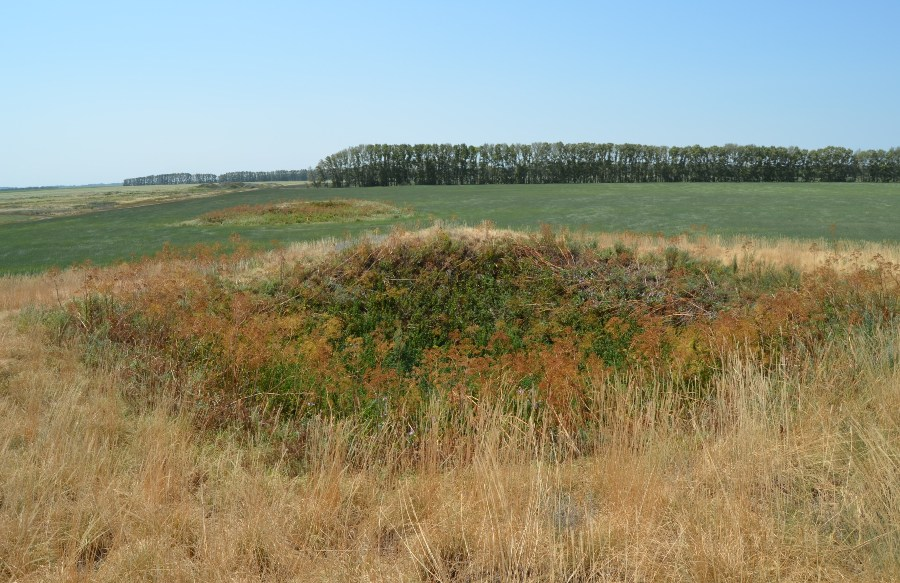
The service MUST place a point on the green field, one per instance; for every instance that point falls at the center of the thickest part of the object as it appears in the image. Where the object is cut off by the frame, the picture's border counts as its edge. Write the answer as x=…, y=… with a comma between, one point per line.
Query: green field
x=854, y=211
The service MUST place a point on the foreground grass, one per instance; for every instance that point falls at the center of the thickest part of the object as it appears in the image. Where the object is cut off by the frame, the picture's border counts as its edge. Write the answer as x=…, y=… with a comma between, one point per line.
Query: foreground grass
x=786, y=471
x=827, y=212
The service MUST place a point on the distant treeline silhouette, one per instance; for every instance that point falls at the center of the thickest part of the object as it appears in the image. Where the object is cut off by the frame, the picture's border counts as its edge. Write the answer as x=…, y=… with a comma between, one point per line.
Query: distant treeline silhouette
x=546, y=163
x=243, y=176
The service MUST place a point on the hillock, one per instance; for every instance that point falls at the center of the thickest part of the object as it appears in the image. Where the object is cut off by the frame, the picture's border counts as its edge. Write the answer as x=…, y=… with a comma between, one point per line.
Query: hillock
x=543, y=326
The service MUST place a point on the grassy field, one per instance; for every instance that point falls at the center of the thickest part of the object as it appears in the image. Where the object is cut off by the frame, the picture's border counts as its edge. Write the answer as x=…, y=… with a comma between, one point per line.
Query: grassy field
x=29, y=204
x=456, y=405
x=868, y=212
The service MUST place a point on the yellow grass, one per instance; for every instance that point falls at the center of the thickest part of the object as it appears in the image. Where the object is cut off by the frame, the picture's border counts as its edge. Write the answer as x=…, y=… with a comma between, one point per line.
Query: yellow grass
x=19, y=291
x=787, y=475
x=801, y=254
x=24, y=204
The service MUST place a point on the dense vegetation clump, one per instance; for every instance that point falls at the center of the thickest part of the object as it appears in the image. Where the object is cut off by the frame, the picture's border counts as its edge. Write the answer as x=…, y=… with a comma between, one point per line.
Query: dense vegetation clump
x=537, y=325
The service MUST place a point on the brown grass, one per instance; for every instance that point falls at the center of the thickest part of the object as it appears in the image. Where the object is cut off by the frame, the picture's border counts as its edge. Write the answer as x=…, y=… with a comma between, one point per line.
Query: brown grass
x=54, y=287
x=789, y=473
x=801, y=254
x=804, y=255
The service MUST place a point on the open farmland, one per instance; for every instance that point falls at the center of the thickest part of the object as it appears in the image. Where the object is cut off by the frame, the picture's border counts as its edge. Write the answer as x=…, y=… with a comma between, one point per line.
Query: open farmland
x=852, y=211
x=29, y=204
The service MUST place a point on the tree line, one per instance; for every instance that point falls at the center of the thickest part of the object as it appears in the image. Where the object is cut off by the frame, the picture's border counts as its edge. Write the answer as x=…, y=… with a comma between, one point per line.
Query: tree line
x=242, y=176
x=550, y=163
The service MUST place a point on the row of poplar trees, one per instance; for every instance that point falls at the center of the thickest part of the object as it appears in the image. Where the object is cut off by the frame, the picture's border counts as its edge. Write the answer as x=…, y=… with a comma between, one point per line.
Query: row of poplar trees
x=243, y=176
x=548, y=163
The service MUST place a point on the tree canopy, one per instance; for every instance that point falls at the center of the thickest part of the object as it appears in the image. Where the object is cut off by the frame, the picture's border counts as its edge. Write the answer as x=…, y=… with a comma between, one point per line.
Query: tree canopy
x=242, y=176
x=548, y=163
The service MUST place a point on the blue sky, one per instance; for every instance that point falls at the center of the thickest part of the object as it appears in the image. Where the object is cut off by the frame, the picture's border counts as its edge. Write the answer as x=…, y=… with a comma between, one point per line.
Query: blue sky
x=97, y=91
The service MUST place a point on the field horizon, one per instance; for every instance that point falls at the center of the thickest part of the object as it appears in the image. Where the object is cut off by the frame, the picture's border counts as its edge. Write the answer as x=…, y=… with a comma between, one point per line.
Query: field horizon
x=815, y=211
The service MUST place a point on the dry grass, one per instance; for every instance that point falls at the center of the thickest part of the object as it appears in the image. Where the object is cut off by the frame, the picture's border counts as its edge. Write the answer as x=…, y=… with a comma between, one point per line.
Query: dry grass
x=800, y=254
x=20, y=291
x=28, y=204
x=803, y=255
x=787, y=474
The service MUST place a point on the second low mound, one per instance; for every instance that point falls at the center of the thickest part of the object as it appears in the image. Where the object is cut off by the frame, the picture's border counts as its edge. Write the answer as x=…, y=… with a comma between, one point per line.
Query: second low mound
x=302, y=211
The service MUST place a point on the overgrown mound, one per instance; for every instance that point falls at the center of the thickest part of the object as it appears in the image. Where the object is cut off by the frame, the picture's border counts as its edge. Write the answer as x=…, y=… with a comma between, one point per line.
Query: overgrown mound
x=302, y=211
x=543, y=327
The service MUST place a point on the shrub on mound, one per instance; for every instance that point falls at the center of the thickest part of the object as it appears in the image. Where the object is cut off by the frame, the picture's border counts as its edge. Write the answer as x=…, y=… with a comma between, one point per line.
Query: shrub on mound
x=542, y=326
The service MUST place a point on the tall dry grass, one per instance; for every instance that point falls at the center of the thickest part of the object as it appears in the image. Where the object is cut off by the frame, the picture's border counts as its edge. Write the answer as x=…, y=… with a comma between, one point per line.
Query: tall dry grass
x=785, y=473
x=54, y=287
x=801, y=254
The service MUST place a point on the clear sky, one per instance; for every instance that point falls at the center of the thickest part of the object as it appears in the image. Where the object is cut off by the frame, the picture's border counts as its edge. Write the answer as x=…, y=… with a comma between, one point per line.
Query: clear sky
x=97, y=91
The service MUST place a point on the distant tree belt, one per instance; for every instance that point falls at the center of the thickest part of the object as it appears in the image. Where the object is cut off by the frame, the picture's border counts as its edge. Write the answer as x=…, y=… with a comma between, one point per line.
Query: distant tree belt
x=545, y=163
x=187, y=178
